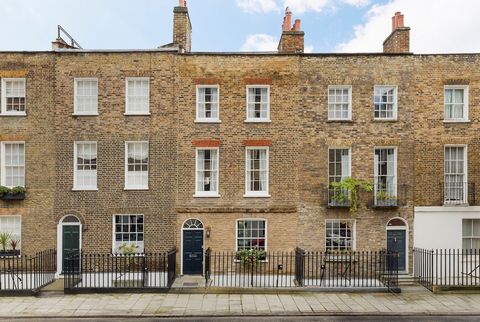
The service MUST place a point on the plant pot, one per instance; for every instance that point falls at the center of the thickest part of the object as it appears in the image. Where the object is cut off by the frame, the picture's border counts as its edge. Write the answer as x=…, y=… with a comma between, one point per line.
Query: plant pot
x=18, y=196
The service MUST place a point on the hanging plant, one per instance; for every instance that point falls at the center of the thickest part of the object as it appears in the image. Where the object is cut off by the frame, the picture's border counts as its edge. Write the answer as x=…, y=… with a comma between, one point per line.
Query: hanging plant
x=349, y=190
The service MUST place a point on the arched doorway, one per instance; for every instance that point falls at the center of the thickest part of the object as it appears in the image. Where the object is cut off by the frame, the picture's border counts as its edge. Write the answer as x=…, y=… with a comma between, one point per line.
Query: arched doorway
x=397, y=241
x=69, y=239
x=192, y=247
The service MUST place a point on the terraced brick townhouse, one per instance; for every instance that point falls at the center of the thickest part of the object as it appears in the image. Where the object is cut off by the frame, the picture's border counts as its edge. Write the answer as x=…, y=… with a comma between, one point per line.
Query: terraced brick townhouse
x=166, y=147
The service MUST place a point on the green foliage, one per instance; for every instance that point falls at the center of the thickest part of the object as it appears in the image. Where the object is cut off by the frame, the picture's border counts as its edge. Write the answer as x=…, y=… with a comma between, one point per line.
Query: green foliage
x=128, y=249
x=349, y=190
x=17, y=190
x=4, y=239
x=4, y=190
x=383, y=195
x=250, y=256
x=11, y=191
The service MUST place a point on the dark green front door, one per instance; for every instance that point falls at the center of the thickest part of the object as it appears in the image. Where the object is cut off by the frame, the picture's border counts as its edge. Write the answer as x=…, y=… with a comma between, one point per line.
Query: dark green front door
x=71, y=243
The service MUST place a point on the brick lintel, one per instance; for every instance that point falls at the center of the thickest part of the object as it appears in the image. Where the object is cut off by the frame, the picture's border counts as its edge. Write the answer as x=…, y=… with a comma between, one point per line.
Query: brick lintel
x=258, y=81
x=207, y=81
x=257, y=142
x=206, y=143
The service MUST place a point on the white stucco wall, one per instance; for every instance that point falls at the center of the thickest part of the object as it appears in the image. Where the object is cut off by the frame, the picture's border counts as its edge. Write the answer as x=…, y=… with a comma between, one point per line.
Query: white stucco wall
x=441, y=227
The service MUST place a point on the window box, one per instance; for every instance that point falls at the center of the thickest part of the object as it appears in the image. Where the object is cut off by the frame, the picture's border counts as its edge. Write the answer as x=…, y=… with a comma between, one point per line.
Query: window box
x=9, y=196
x=386, y=203
x=10, y=253
x=339, y=203
x=16, y=193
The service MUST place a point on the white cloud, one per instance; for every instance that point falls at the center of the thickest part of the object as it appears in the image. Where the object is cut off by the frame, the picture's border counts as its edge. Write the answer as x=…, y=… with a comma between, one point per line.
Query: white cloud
x=436, y=26
x=357, y=3
x=260, y=42
x=261, y=6
x=297, y=6
x=301, y=6
x=308, y=49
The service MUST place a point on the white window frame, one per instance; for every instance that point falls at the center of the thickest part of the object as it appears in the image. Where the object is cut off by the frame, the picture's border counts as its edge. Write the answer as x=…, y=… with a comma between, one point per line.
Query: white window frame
x=207, y=194
x=3, y=170
x=114, y=242
x=198, y=117
x=465, y=174
x=258, y=120
x=127, y=187
x=395, y=181
x=354, y=233
x=471, y=237
x=251, y=219
x=4, y=111
x=19, y=247
x=395, y=103
x=75, y=170
x=465, y=104
x=340, y=87
x=75, y=103
x=257, y=194
x=127, y=111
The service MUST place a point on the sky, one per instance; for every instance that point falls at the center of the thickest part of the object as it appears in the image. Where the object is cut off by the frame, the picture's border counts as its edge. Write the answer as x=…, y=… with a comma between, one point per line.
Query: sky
x=437, y=26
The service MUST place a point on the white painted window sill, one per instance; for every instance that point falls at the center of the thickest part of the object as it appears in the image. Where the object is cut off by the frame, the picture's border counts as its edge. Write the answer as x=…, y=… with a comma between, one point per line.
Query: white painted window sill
x=258, y=121
x=84, y=189
x=93, y=114
x=207, y=121
x=135, y=188
x=385, y=120
x=206, y=196
x=13, y=114
x=137, y=114
x=456, y=121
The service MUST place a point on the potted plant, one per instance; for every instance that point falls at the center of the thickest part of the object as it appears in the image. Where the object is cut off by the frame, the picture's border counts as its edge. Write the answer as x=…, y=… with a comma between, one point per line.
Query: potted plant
x=4, y=239
x=14, y=244
x=383, y=199
x=250, y=258
x=15, y=193
x=350, y=188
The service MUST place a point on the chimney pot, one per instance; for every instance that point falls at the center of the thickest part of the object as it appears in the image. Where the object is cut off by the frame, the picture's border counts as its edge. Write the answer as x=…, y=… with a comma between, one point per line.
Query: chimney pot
x=182, y=3
x=297, y=24
x=287, y=21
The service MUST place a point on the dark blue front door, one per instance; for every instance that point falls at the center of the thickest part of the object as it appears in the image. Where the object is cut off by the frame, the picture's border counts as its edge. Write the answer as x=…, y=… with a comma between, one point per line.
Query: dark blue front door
x=192, y=251
x=396, y=241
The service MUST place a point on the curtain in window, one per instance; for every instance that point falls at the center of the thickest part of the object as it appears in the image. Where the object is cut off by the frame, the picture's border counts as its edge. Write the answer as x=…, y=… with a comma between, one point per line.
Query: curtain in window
x=345, y=165
x=263, y=170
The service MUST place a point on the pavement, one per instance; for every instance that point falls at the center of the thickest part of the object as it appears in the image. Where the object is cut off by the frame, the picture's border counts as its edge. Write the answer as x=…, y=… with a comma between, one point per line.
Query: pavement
x=413, y=301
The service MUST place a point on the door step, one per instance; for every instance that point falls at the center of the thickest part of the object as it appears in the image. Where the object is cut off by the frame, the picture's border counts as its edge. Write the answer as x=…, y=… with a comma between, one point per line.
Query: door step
x=189, y=282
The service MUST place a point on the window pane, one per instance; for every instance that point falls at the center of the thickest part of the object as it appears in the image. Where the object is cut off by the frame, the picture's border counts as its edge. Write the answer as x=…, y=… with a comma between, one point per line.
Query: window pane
x=251, y=234
x=86, y=99
x=130, y=232
x=137, y=165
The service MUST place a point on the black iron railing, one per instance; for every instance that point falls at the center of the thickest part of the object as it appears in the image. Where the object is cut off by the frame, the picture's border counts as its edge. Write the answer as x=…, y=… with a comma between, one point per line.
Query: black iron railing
x=97, y=272
x=367, y=269
x=447, y=268
x=339, y=198
x=351, y=269
x=389, y=196
x=458, y=193
x=27, y=273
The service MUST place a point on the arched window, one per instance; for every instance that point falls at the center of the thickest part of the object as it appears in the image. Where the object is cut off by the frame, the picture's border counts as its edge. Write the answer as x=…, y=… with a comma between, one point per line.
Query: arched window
x=192, y=224
x=396, y=222
x=70, y=219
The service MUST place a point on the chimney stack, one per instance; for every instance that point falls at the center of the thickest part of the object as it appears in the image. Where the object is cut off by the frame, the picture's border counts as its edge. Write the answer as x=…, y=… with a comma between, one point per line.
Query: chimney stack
x=293, y=39
x=182, y=27
x=399, y=39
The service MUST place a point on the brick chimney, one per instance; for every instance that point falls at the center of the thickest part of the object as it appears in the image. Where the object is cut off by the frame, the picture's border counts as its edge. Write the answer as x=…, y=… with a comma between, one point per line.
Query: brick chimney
x=399, y=39
x=182, y=27
x=293, y=39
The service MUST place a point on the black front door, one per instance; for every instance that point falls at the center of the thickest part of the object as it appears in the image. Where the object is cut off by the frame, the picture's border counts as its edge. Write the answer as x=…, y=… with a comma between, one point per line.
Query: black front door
x=192, y=251
x=71, y=244
x=396, y=242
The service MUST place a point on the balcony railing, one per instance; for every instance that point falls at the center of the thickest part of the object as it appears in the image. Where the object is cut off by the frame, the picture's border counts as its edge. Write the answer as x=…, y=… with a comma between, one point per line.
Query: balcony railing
x=389, y=196
x=458, y=193
x=338, y=198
